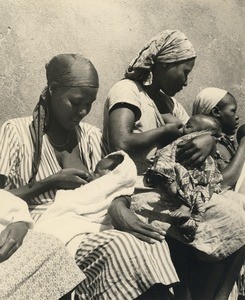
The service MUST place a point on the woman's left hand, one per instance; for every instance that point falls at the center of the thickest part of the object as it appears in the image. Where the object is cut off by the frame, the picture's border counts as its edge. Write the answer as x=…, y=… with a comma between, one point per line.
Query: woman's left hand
x=11, y=239
x=194, y=152
x=124, y=219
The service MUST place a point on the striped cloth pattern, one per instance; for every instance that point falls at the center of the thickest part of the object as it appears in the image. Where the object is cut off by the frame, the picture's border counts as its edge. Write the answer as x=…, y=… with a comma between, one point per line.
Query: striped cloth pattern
x=17, y=154
x=120, y=266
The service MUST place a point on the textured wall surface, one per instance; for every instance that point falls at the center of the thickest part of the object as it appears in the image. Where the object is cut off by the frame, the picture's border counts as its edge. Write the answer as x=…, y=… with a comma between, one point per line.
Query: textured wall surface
x=110, y=33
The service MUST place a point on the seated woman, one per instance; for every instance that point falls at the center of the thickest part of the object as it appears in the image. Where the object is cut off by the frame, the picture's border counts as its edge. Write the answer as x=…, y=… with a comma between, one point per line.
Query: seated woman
x=194, y=211
x=117, y=265
x=222, y=105
x=28, y=259
x=133, y=122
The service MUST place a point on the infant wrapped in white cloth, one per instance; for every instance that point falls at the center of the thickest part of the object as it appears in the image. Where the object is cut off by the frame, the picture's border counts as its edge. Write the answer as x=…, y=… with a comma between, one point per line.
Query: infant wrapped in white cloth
x=84, y=209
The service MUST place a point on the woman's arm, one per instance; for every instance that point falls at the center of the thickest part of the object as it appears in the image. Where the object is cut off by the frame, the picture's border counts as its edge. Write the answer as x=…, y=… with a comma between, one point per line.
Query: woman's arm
x=121, y=136
x=125, y=220
x=64, y=179
x=194, y=152
x=233, y=170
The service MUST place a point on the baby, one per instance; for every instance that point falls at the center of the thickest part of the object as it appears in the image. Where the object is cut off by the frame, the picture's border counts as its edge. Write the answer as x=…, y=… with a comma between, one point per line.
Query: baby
x=84, y=209
x=105, y=166
x=191, y=187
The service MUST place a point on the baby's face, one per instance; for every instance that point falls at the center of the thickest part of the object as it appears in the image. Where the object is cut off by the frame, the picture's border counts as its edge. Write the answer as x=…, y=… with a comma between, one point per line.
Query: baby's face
x=100, y=172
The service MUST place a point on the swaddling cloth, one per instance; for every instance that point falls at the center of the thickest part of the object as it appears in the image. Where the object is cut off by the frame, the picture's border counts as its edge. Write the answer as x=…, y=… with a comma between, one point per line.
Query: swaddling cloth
x=85, y=208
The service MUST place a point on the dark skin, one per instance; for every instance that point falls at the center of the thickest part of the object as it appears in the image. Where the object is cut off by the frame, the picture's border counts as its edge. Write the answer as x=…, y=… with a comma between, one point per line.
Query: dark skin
x=67, y=108
x=11, y=239
x=226, y=112
x=218, y=278
x=171, y=79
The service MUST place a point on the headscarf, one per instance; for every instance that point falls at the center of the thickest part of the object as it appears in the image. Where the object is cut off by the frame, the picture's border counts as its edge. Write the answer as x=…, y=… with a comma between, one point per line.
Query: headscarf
x=65, y=70
x=207, y=100
x=168, y=46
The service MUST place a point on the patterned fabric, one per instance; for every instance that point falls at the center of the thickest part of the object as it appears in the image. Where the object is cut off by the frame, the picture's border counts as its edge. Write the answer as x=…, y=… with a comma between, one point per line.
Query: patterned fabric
x=41, y=268
x=230, y=144
x=65, y=70
x=168, y=46
x=119, y=266
x=193, y=186
x=15, y=164
x=17, y=155
x=207, y=100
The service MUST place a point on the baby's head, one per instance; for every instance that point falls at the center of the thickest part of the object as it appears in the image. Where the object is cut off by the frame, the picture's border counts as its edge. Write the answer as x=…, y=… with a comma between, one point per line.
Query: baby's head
x=107, y=164
x=220, y=104
x=202, y=122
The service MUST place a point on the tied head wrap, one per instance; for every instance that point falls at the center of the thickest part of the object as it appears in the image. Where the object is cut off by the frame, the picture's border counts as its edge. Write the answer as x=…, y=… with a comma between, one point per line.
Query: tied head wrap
x=169, y=46
x=207, y=100
x=69, y=70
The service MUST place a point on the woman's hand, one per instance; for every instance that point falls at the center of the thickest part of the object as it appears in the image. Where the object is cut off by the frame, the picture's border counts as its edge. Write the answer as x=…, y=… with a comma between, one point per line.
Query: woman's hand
x=194, y=152
x=11, y=239
x=69, y=179
x=125, y=220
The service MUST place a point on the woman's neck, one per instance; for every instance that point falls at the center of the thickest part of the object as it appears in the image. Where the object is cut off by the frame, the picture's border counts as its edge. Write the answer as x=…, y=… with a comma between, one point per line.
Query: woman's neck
x=152, y=90
x=58, y=135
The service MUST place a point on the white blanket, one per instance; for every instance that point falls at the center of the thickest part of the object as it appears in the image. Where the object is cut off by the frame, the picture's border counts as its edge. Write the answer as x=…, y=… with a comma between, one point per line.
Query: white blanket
x=84, y=209
x=13, y=209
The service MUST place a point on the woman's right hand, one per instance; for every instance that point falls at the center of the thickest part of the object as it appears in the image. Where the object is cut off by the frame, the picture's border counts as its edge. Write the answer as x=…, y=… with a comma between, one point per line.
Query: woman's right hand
x=69, y=179
x=124, y=219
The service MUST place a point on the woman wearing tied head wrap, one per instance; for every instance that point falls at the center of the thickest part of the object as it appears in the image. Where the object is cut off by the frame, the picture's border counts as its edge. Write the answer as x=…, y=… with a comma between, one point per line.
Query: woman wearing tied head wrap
x=230, y=157
x=140, y=115
x=54, y=150
x=223, y=106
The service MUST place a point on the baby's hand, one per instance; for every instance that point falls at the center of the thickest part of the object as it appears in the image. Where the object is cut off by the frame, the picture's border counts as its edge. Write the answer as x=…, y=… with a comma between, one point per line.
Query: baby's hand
x=240, y=133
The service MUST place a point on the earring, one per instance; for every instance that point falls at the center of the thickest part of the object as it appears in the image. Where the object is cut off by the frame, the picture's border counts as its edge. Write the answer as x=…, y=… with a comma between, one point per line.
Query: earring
x=149, y=79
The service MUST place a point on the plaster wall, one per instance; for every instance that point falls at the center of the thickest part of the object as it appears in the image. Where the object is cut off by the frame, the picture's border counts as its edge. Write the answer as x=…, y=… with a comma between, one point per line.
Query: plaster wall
x=110, y=33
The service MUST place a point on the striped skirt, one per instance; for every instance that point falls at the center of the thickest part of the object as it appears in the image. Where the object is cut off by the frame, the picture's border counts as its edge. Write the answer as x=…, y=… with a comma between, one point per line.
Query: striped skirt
x=120, y=266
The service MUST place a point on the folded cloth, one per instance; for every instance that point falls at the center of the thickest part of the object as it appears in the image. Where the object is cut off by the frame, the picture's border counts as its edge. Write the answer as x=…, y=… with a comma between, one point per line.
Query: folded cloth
x=85, y=209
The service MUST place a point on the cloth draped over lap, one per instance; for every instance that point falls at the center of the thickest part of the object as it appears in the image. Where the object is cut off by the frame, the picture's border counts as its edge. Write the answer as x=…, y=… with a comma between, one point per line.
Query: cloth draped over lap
x=84, y=209
x=24, y=274
x=220, y=216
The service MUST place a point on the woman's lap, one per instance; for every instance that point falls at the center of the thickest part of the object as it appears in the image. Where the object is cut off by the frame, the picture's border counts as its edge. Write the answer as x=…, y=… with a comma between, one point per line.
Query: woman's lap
x=120, y=266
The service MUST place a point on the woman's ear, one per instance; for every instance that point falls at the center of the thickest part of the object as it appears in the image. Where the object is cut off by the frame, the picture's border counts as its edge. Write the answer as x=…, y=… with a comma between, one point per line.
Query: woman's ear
x=215, y=112
x=52, y=88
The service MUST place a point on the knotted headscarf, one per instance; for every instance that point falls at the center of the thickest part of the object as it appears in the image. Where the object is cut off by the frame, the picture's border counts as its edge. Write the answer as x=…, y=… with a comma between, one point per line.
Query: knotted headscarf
x=207, y=100
x=65, y=70
x=168, y=46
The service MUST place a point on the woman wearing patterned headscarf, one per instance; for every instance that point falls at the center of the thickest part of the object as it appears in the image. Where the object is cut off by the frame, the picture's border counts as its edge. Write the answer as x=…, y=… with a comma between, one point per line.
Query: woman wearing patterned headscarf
x=54, y=149
x=141, y=115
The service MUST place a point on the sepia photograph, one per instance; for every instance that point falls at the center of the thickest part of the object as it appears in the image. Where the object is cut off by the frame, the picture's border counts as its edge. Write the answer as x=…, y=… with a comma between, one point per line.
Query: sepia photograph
x=122, y=150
